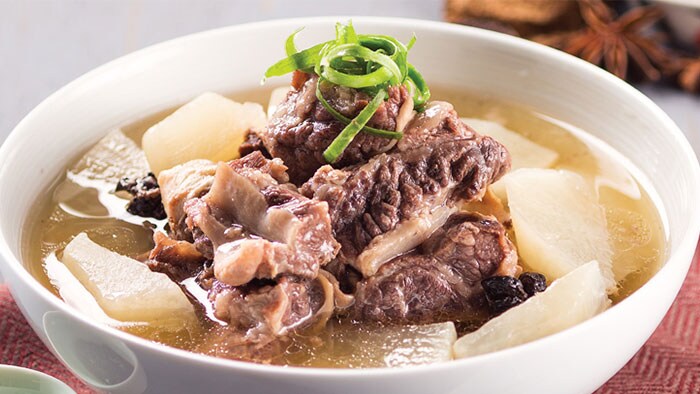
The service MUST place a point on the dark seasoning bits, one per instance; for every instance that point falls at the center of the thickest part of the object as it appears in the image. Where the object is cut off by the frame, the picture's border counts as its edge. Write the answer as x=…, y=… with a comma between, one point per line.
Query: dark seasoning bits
x=533, y=283
x=145, y=201
x=505, y=292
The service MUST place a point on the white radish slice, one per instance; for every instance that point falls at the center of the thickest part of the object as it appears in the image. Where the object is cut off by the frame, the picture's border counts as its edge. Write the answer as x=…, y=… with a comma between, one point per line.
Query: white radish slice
x=558, y=222
x=576, y=297
x=209, y=127
x=126, y=289
x=115, y=156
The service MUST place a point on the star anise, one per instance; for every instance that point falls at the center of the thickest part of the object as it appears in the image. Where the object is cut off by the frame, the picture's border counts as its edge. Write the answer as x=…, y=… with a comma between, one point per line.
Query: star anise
x=618, y=44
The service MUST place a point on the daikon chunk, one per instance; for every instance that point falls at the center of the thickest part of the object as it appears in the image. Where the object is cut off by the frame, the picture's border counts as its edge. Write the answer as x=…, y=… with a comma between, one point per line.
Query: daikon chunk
x=558, y=222
x=126, y=289
x=115, y=156
x=209, y=127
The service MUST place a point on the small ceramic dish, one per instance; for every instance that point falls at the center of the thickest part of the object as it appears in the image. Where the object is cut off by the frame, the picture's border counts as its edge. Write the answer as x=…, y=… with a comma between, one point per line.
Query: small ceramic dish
x=17, y=380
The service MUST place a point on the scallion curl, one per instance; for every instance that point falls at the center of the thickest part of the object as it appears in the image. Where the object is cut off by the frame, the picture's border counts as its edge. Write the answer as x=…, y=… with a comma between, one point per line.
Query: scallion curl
x=341, y=62
x=388, y=73
x=367, y=129
x=370, y=63
x=337, y=147
x=304, y=60
x=289, y=46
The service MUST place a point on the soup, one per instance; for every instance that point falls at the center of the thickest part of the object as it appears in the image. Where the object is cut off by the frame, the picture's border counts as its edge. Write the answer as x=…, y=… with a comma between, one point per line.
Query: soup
x=364, y=330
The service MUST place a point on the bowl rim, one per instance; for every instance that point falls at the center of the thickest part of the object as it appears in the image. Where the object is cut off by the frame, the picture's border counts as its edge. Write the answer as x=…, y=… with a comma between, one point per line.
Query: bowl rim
x=689, y=240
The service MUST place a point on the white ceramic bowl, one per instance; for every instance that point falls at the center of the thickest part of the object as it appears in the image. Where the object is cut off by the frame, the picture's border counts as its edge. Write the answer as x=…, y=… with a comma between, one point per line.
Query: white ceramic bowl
x=577, y=360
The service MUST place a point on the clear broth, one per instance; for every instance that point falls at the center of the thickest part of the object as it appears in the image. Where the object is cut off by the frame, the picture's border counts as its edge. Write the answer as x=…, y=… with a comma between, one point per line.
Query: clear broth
x=636, y=229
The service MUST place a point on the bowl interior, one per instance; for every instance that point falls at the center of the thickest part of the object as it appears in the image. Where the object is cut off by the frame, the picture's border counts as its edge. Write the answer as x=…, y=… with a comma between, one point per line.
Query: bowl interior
x=234, y=59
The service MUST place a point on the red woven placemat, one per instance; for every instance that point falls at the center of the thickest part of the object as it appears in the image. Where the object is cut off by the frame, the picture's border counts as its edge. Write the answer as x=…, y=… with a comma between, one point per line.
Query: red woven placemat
x=668, y=363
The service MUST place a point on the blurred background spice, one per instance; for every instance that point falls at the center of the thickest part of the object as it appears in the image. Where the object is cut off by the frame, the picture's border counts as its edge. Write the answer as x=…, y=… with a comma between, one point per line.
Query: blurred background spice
x=637, y=41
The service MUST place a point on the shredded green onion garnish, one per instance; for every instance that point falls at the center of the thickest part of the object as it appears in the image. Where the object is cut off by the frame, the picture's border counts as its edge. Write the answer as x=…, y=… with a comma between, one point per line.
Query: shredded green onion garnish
x=367, y=129
x=336, y=148
x=368, y=62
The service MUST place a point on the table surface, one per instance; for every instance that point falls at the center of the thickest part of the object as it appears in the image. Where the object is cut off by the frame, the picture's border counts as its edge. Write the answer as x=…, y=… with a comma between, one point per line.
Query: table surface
x=44, y=44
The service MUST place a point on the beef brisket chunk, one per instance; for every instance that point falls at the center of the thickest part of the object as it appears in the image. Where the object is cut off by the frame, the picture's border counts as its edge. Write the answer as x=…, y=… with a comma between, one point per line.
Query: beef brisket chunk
x=290, y=234
x=264, y=308
x=253, y=143
x=301, y=127
x=392, y=203
x=180, y=184
x=250, y=220
x=262, y=312
x=177, y=259
x=267, y=242
x=441, y=280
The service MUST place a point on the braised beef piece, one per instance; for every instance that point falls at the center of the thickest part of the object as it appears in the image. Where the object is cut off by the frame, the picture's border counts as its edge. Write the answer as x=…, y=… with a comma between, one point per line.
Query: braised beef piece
x=267, y=243
x=260, y=313
x=253, y=143
x=225, y=342
x=301, y=127
x=392, y=203
x=177, y=259
x=272, y=307
x=179, y=185
x=289, y=233
x=146, y=199
x=440, y=280
x=250, y=221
